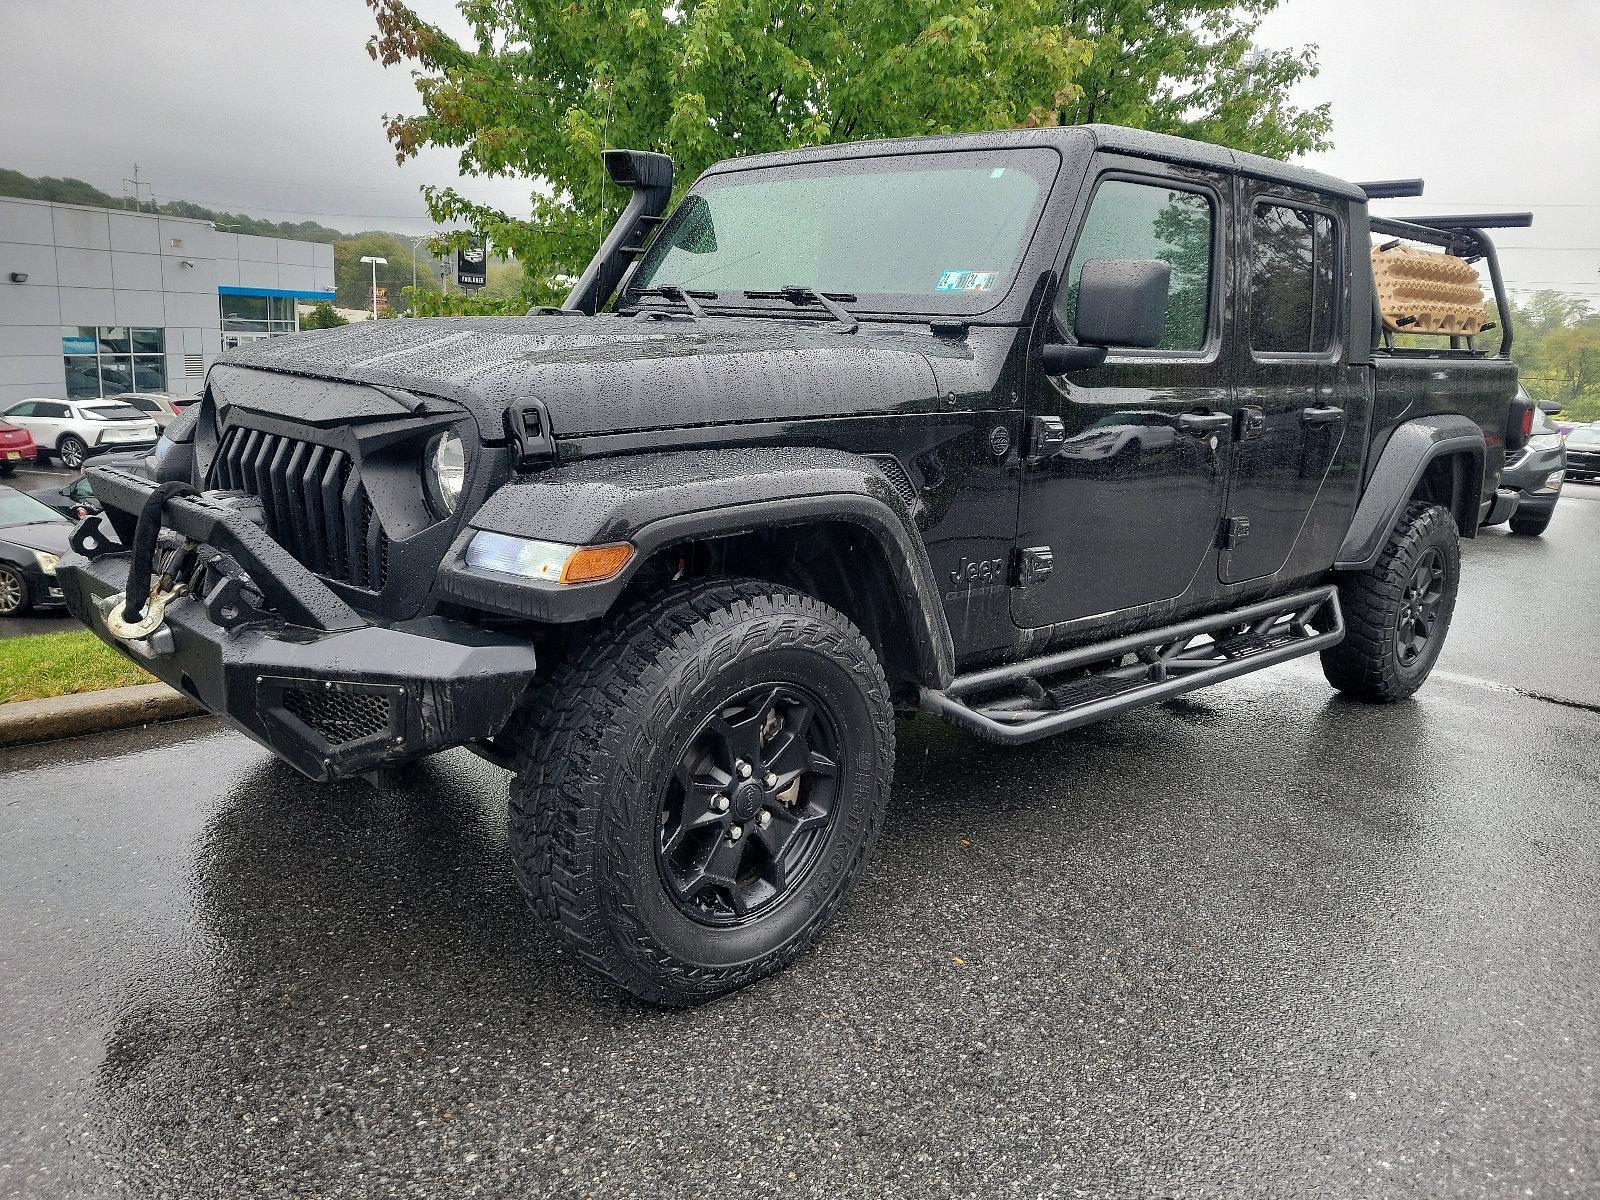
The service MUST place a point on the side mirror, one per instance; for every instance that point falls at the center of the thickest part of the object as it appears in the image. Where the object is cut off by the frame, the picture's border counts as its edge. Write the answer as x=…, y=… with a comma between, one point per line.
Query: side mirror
x=1121, y=302
x=1549, y=407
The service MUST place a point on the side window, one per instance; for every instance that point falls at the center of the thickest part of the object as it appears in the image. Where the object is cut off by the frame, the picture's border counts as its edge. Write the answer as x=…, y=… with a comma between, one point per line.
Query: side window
x=1293, y=284
x=24, y=409
x=1146, y=220
x=51, y=410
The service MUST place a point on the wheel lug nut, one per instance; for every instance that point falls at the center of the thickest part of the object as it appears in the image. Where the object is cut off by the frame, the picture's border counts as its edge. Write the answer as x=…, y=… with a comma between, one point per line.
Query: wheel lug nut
x=735, y=833
x=719, y=804
x=772, y=780
x=745, y=769
x=764, y=820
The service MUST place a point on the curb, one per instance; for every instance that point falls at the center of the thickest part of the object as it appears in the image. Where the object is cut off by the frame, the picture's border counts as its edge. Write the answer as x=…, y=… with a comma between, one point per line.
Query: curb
x=25, y=721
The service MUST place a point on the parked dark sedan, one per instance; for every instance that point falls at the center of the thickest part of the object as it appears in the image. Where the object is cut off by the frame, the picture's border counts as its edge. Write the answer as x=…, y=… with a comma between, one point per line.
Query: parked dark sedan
x=1583, y=453
x=74, y=499
x=1536, y=474
x=33, y=538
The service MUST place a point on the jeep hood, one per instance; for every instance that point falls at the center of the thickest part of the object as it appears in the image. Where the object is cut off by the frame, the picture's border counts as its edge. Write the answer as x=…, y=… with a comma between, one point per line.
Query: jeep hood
x=610, y=374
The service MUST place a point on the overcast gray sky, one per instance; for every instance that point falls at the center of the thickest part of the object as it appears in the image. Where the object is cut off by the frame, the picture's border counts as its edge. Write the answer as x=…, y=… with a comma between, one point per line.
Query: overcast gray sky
x=273, y=107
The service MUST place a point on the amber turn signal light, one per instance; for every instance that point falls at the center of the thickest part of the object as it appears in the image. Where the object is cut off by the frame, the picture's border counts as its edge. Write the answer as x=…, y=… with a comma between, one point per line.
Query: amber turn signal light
x=591, y=564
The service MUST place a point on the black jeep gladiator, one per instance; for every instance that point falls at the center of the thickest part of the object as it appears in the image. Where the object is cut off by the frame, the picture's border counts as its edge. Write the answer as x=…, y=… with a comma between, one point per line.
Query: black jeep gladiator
x=1017, y=429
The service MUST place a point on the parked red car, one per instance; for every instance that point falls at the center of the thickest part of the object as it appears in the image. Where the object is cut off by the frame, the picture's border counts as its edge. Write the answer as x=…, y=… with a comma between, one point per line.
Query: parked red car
x=16, y=447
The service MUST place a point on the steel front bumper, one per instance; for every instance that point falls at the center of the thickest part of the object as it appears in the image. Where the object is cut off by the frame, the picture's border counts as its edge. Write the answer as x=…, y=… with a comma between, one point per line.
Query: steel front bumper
x=328, y=691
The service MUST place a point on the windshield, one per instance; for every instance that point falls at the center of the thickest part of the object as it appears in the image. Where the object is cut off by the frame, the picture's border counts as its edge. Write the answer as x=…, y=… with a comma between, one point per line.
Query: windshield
x=18, y=509
x=939, y=233
x=1584, y=436
x=112, y=412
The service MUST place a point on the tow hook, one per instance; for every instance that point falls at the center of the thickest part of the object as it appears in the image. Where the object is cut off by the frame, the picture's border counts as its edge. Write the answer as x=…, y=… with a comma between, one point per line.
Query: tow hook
x=148, y=637
x=138, y=621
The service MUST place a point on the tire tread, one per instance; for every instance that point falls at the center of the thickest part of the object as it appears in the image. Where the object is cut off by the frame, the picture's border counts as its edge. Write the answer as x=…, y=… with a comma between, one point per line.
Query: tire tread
x=569, y=731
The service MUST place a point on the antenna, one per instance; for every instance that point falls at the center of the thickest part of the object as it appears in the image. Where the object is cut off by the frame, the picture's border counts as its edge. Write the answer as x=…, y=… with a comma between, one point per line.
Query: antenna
x=135, y=184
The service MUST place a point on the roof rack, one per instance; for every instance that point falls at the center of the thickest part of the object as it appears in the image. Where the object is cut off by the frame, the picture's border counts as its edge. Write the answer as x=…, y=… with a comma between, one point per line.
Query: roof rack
x=1464, y=237
x=1522, y=220
x=1391, y=189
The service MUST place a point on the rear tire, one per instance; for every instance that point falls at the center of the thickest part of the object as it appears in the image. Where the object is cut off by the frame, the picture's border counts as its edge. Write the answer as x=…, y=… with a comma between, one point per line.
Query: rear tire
x=1397, y=612
x=1533, y=524
x=630, y=781
x=14, y=598
x=73, y=451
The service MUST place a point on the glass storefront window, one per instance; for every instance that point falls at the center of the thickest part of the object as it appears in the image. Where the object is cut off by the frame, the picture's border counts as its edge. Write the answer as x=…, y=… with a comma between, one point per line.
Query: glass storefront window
x=265, y=315
x=105, y=360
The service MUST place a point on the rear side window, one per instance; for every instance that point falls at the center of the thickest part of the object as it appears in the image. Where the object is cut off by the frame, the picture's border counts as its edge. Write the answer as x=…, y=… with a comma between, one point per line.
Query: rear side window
x=1147, y=220
x=1293, y=284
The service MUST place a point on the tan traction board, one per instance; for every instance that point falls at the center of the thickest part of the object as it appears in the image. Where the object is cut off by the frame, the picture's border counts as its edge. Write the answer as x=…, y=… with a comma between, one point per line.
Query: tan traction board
x=1420, y=291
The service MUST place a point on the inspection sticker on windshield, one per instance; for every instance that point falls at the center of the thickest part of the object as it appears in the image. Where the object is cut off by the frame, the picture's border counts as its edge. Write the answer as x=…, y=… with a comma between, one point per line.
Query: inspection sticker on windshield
x=965, y=281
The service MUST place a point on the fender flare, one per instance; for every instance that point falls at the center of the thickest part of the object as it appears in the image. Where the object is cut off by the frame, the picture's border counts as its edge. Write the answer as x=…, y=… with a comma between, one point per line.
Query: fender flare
x=1399, y=469
x=656, y=500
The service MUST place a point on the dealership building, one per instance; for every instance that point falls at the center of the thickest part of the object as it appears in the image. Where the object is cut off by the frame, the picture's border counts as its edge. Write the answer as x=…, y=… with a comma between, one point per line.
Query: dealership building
x=96, y=301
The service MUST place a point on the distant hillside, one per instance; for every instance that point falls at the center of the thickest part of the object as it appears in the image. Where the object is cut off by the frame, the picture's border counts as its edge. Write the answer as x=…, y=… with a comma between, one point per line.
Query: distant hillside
x=352, y=279
x=76, y=191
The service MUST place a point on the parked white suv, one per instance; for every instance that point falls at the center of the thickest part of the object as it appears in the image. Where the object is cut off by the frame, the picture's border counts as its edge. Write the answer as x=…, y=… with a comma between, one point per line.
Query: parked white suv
x=161, y=407
x=72, y=430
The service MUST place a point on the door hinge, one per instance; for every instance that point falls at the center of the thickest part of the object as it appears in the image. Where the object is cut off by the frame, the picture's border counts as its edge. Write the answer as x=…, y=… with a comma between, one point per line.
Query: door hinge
x=1031, y=565
x=1046, y=435
x=1234, y=531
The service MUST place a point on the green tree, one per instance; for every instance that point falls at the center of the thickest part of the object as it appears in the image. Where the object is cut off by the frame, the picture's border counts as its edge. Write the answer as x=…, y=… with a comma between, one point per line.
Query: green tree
x=542, y=86
x=1567, y=369
x=464, y=304
x=1193, y=68
x=322, y=317
x=352, y=278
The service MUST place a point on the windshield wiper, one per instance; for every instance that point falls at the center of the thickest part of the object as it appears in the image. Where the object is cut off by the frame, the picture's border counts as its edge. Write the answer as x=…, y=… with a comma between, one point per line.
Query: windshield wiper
x=683, y=296
x=799, y=295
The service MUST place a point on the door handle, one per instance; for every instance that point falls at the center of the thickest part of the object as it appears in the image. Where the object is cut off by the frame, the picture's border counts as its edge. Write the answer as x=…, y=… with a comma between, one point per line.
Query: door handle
x=1321, y=416
x=1200, y=424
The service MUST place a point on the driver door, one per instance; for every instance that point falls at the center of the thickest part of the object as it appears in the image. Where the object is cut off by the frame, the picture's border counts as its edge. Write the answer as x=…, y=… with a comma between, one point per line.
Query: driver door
x=1126, y=469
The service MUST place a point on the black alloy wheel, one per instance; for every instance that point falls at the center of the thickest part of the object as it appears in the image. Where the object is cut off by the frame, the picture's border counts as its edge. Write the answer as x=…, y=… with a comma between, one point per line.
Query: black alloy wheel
x=745, y=814
x=1417, y=617
x=698, y=785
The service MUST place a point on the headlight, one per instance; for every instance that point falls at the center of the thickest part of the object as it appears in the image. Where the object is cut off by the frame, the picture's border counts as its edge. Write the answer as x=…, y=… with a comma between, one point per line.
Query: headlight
x=47, y=562
x=445, y=461
x=556, y=562
x=1544, y=441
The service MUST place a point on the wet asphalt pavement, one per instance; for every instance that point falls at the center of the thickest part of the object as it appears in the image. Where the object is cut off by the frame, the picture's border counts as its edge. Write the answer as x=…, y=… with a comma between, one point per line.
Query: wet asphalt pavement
x=1258, y=942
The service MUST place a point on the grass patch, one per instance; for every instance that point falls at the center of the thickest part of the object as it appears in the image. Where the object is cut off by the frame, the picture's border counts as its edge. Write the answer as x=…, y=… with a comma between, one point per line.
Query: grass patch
x=59, y=664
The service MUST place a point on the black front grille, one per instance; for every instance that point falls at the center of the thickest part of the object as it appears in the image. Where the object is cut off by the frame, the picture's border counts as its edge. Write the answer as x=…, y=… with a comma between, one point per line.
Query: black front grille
x=340, y=717
x=313, y=502
x=1589, y=462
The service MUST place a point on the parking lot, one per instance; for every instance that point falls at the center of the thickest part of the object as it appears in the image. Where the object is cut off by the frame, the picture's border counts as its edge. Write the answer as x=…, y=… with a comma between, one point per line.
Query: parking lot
x=1256, y=942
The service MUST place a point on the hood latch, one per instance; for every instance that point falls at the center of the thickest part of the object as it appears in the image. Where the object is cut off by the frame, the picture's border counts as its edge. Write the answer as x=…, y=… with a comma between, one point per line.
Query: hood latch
x=528, y=427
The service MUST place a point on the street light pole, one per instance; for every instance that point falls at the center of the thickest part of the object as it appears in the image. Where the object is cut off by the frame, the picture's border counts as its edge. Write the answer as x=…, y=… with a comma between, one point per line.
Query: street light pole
x=376, y=262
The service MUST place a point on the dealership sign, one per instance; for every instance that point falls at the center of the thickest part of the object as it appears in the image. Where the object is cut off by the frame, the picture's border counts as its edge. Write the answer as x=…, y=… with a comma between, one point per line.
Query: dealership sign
x=472, y=267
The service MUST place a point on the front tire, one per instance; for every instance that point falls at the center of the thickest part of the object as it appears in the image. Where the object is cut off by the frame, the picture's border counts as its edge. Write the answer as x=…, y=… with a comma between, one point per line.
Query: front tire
x=14, y=598
x=1397, y=612
x=72, y=450
x=698, y=787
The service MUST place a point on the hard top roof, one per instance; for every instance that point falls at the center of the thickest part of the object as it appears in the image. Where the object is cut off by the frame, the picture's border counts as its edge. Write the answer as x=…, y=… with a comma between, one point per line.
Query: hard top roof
x=1137, y=142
